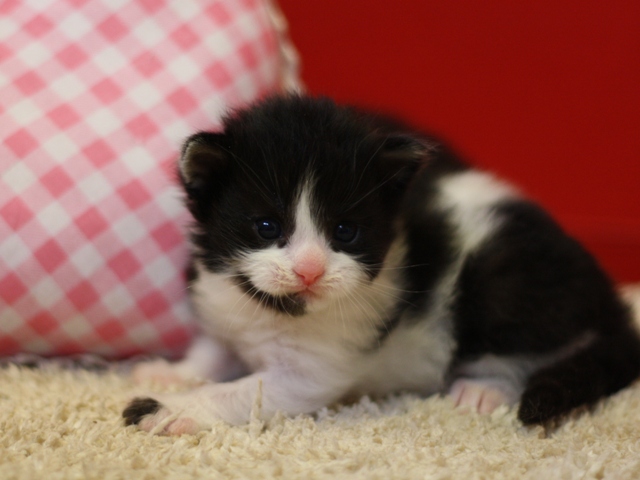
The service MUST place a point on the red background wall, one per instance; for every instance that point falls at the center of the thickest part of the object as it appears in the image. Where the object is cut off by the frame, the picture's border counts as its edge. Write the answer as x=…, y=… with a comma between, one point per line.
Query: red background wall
x=545, y=93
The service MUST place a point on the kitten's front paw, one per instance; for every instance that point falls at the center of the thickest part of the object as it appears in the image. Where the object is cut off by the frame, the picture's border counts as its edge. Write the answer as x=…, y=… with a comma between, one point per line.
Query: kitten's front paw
x=152, y=416
x=140, y=408
x=162, y=373
x=482, y=396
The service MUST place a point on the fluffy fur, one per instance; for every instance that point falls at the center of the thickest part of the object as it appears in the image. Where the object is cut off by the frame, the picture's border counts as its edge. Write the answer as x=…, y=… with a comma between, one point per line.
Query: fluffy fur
x=337, y=253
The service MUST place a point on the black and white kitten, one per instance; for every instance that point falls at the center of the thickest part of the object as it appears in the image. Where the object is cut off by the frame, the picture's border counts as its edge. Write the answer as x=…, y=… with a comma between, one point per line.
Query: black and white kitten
x=336, y=253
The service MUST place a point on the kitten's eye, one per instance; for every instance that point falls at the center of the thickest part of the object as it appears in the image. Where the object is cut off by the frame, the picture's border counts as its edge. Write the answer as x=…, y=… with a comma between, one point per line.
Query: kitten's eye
x=268, y=229
x=345, y=232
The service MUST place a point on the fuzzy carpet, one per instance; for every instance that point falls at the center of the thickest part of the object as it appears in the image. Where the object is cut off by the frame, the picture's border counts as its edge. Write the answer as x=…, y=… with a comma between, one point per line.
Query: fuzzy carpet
x=62, y=422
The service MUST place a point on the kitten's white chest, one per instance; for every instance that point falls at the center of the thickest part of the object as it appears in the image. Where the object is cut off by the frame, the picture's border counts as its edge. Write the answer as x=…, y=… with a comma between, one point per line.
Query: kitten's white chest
x=336, y=341
x=232, y=318
x=259, y=336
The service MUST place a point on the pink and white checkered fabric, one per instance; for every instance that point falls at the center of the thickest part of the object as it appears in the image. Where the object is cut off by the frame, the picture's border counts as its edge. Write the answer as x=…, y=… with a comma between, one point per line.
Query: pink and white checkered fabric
x=95, y=98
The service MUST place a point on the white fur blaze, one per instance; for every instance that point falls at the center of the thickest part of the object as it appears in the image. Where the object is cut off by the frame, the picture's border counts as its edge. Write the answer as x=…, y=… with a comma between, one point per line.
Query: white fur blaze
x=308, y=248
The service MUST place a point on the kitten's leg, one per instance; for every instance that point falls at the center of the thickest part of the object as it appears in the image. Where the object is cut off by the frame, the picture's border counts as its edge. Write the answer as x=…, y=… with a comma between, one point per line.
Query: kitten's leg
x=550, y=385
x=199, y=409
x=606, y=365
x=206, y=359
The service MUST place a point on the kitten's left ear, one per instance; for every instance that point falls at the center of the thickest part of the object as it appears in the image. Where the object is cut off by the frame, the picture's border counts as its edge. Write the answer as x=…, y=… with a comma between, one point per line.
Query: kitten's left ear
x=401, y=157
x=203, y=169
x=202, y=154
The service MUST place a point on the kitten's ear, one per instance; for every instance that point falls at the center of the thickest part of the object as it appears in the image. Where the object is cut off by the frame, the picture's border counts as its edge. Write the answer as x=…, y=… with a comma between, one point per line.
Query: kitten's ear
x=402, y=155
x=203, y=168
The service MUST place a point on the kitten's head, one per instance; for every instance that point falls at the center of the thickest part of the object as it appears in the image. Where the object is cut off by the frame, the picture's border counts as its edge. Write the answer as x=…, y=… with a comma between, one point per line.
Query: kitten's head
x=297, y=199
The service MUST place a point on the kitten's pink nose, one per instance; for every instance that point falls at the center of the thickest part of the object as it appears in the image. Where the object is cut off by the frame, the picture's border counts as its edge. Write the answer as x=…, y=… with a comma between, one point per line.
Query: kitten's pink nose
x=309, y=271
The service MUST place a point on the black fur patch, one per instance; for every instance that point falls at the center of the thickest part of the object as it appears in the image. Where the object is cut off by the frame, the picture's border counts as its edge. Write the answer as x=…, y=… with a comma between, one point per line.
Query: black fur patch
x=531, y=289
x=139, y=408
x=429, y=235
x=429, y=242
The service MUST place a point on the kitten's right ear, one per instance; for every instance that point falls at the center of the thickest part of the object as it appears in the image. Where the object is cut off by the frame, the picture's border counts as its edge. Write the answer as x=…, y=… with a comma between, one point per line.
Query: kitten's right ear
x=402, y=156
x=203, y=169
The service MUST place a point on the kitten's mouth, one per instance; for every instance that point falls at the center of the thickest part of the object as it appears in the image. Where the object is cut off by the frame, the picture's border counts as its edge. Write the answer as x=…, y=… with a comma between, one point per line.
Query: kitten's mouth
x=293, y=304
x=307, y=293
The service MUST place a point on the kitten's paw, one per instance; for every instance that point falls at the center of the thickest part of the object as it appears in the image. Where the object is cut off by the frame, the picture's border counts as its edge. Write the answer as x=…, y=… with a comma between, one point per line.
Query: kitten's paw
x=140, y=408
x=152, y=416
x=482, y=396
x=162, y=373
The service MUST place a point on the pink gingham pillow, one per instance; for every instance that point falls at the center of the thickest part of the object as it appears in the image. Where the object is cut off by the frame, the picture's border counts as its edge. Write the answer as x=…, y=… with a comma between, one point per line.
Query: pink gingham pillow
x=95, y=98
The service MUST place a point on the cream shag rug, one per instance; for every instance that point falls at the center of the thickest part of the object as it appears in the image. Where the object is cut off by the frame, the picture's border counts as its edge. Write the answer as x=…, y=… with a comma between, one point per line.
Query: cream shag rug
x=64, y=423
